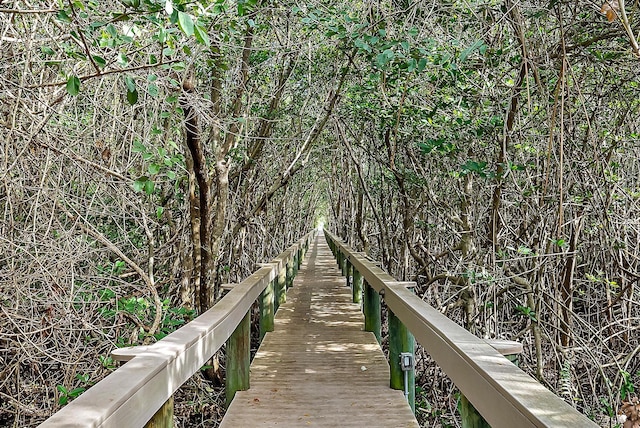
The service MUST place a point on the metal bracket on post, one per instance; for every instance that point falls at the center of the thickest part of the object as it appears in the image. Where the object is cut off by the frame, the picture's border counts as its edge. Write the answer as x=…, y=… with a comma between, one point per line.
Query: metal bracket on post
x=407, y=363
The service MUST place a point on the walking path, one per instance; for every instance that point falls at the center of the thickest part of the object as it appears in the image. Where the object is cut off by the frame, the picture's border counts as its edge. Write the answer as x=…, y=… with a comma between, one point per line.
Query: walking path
x=319, y=368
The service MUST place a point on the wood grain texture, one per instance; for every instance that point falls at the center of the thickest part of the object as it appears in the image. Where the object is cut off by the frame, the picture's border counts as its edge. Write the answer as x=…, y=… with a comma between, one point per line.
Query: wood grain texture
x=504, y=395
x=131, y=395
x=319, y=368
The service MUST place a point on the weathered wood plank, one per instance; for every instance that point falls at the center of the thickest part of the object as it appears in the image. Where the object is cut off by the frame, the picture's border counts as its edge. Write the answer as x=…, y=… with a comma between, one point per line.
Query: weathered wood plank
x=131, y=395
x=502, y=393
x=319, y=367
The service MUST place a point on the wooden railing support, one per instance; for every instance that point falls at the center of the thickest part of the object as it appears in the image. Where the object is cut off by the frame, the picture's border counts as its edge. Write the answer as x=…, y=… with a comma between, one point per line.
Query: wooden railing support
x=349, y=273
x=238, y=359
x=163, y=417
x=504, y=394
x=290, y=272
x=471, y=418
x=401, y=340
x=357, y=287
x=372, y=314
x=140, y=392
x=267, y=309
x=295, y=265
x=281, y=288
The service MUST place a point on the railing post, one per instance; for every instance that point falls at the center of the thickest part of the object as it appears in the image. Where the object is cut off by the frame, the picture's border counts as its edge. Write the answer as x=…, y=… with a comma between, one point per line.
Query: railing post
x=343, y=263
x=471, y=418
x=295, y=261
x=401, y=340
x=290, y=272
x=281, y=287
x=267, y=309
x=372, y=316
x=300, y=254
x=238, y=358
x=357, y=287
x=163, y=417
x=348, y=272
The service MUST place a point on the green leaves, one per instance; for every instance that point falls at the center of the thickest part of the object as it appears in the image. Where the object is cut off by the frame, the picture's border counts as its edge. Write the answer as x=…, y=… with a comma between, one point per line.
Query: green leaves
x=201, y=36
x=73, y=85
x=154, y=168
x=526, y=312
x=384, y=58
x=185, y=22
x=144, y=184
x=63, y=16
x=244, y=6
x=477, y=167
x=132, y=92
x=101, y=62
x=478, y=45
x=162, y=163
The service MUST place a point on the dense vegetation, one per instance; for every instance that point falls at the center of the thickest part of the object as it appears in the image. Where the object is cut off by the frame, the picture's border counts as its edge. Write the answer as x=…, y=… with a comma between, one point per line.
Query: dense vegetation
x=153, y=150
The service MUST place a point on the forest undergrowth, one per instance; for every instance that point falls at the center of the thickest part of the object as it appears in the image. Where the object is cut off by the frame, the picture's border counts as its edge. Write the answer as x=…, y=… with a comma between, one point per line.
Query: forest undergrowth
x=153, y=150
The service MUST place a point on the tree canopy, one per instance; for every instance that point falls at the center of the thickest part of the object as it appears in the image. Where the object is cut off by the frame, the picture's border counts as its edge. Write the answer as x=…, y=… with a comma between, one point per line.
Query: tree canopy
x=153, y=150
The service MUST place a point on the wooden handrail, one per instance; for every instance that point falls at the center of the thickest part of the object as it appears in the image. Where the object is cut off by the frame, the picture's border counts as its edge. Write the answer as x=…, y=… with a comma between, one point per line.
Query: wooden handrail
x=503, y=394
x=133, y=393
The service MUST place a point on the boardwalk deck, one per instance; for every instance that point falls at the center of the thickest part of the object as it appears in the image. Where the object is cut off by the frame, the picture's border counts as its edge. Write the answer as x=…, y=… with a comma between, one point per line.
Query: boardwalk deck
x=319, y=368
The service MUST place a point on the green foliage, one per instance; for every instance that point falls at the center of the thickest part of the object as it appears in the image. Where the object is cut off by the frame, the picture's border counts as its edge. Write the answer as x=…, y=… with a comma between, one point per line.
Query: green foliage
x=161, y=163
x=107, y=362
x=627, y=388
x=132, y=92
x=67, y=394
x=526, y=312
x=185, y=23
x=174, y=318
x=73, y=85
x=475, y=167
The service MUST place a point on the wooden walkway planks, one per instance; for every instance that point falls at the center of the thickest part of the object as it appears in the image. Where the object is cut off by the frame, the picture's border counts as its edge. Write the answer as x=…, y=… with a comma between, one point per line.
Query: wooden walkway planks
x=319, y=368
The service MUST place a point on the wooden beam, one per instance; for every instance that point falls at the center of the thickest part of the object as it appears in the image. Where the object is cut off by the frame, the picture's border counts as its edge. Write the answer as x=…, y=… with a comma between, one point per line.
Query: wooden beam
x=372, y=311
x=400, y=341
x=357, y=287
x=502, y=393
x=267, y=309
x=238, y=359
x=133, y=394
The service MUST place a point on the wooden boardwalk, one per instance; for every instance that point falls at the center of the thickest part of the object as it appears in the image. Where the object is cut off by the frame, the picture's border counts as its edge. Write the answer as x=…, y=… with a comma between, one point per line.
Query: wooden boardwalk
x=319, y=368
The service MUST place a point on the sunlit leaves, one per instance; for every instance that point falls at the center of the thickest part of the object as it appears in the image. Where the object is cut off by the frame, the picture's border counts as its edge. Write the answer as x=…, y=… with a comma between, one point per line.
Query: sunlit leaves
x=168, y=7
x=154, y=168
x=201, y=36
x=185, y=22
